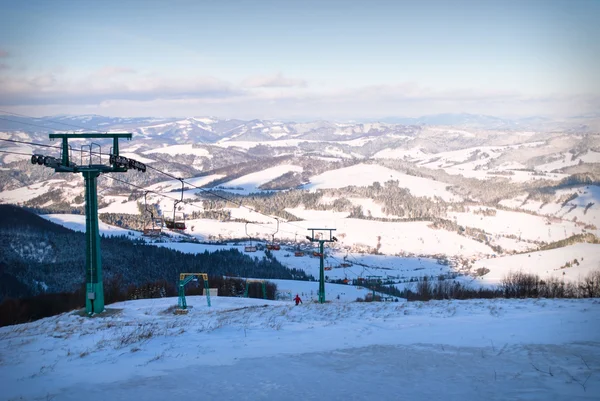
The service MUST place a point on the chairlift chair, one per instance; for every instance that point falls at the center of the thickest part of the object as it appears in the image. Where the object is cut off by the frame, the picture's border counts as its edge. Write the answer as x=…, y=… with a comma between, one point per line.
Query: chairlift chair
x=250, y=248
x=273, y=246
x=177, y=224
x=152, y=229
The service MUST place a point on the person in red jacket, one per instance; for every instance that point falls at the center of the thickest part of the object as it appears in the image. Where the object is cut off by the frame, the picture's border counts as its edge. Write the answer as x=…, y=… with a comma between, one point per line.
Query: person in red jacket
x=298, y=300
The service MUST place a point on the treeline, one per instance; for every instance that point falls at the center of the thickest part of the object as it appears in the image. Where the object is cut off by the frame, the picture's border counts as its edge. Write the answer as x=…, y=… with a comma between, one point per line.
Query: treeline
x=45, y=257
x=116, y=289
x=514, y=285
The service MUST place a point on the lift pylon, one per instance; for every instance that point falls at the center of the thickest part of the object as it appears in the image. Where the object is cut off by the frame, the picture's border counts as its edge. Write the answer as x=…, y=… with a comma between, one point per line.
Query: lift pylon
x=94, y=302
x=321, y=242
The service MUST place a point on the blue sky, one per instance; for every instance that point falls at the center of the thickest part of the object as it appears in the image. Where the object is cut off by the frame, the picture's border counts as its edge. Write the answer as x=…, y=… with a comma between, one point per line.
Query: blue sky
x=299, y=59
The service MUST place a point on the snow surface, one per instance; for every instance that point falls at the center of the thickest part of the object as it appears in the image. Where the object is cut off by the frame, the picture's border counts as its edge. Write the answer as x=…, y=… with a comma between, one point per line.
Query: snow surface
x=174, y=185
x=137, y=157
x=550, y=263
x=252, y=349
x=523, y=225
x=566, y=159
x=588, y=195
x=76, y=222
x=362, y=175
x=174, y=150
x=119, y=204
x=21, y=195
x=361, y=265
x=250, y=182
x=473, y=162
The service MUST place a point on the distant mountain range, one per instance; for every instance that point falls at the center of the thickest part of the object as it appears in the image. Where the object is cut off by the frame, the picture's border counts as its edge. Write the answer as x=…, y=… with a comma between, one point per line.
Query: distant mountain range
x=211, y=130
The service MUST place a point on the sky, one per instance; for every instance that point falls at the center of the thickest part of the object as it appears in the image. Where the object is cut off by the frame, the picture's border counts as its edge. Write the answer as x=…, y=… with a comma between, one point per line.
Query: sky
x=328, y=59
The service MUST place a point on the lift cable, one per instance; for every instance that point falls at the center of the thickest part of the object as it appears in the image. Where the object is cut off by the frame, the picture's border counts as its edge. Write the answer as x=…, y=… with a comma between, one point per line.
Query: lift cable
x=175, y=199
x=212, y=193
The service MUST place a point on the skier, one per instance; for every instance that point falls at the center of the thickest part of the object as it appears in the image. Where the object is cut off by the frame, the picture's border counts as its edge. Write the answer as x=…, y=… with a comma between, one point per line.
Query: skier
x=298, y=300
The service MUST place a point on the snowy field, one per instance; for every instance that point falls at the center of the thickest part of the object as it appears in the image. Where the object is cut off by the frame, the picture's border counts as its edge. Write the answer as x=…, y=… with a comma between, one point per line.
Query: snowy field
x=76, y=222
x=249, y=183
x=251, y=349
x=550, y=263
x=361, y=175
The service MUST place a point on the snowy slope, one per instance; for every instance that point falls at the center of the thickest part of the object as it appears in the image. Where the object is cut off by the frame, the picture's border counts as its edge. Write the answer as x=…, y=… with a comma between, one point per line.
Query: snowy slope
x=250, y=182
x=251, y=349
x=173, y=185
x=522, y=225
x=76, y=222
x=174, y=150
x=584, y=208
x=18, y=196
x=367, y=174
x=549, y=263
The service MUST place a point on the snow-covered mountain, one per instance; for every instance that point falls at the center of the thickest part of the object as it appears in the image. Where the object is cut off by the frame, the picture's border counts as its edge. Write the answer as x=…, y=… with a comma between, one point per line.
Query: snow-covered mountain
x=456, y=190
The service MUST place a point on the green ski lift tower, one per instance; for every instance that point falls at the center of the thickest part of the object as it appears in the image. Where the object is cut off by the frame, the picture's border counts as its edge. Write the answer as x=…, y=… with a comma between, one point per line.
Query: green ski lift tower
x=94, y=302
x=321, y=242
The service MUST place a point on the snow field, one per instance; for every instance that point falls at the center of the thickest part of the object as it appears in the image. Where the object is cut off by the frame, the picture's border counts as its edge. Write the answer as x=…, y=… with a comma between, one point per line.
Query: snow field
x=250, y=182
x=24, y=194
x=545, y=264
x=573, y=209
x=76, y=222
x=366, y=174
x=256, y=349
x=174, y=150
x=522, y=225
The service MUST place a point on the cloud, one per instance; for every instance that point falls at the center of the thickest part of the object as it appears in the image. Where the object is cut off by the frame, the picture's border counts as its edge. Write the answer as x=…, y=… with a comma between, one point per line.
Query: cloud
x=3, y=53
x=272, y=81
x=124, y=91
x=110, y=71
x=4, y=66
x=62, y=89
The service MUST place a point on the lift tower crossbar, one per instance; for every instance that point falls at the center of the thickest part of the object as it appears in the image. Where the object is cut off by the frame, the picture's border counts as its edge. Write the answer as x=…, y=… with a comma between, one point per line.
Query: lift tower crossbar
x=321, y=242
x=94, y=302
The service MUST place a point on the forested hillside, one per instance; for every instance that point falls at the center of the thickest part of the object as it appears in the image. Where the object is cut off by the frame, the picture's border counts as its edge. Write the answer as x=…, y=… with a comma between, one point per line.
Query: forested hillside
x=39, y=256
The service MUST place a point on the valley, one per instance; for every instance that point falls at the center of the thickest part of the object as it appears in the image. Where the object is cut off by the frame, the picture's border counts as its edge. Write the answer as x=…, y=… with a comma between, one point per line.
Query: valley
x=406, y=201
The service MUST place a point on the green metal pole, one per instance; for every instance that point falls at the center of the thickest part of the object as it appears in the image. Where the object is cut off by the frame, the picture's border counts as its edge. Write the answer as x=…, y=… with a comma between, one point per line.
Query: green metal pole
x=65, y=152
x=207, y=292
x=94, y=302
x=116, y=146
x=181, y=301
x=321, y=275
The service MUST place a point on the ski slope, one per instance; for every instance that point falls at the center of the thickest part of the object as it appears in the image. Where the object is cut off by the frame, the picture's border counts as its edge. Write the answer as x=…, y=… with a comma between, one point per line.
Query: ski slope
x=252, y=349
